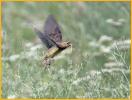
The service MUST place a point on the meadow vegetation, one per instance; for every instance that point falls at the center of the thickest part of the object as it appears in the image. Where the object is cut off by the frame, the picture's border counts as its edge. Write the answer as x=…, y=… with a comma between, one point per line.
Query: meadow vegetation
x=97, y=66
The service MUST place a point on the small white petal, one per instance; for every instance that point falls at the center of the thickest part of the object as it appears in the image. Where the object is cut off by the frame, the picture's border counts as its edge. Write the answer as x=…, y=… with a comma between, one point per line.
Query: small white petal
x=14, y=57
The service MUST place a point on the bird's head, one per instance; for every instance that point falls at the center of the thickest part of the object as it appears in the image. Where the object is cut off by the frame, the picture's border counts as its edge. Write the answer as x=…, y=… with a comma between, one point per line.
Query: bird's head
x=63, y=45
x=66, y=44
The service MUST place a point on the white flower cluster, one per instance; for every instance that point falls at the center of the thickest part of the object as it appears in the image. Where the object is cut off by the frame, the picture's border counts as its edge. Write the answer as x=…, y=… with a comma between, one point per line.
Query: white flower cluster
x=118, y=22
x=31, y=53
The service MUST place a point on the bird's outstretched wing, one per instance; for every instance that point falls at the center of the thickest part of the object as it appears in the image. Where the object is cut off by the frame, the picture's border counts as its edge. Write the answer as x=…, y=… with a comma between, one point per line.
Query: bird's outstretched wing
x=52, y=29
x=44, y=38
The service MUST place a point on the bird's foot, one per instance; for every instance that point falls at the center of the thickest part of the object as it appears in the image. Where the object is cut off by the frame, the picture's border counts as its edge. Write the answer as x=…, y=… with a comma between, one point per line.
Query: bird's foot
x=47, y=61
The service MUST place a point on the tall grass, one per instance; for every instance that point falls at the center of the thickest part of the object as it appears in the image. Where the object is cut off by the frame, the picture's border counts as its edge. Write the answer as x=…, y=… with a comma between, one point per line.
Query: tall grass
x=97, y=67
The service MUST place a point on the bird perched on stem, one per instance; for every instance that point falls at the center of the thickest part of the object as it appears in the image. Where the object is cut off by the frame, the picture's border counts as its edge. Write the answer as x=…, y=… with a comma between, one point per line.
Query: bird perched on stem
x=52, y=38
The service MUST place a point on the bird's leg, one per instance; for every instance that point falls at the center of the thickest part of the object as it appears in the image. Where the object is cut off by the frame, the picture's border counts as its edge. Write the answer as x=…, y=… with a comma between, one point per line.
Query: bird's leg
x=47, y=61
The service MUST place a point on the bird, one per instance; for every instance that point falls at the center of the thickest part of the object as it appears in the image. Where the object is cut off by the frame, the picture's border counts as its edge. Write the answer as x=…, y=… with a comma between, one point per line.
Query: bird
x=51, y=36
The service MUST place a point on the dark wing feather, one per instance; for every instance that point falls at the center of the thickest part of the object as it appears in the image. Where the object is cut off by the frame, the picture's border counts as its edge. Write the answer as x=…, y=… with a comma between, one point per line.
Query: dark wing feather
x=44, y=38
x=52, y=29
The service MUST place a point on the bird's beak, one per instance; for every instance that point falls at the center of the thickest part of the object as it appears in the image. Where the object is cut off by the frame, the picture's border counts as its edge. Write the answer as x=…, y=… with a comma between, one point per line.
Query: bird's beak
x=70, y=45
x=69, y=42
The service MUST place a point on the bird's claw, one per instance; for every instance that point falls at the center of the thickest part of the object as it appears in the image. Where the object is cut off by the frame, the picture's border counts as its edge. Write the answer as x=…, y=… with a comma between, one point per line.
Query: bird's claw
x=47, y=61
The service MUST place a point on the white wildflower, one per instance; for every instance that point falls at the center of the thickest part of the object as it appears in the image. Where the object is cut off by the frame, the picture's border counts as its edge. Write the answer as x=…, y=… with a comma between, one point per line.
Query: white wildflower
x=30, y=54
x=76, y=82
x=111, y=58
x=115, y=70
x=106, y=89
x=124, y=44
x=110, y=20
x=80, y=96
x=105, y=38
x=105, y=49
x=85, y=54
x=33, y=48
x=93, y=44
x=113, y=64
x=29, y=44
x=119, y=22
x=38, y=25
x=88, y=77
x=61, y=71
x=94, y=72
x=14, y=57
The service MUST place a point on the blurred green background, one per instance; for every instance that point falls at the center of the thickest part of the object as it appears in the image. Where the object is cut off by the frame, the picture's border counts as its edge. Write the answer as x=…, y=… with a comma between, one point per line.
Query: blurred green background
x=97, y=67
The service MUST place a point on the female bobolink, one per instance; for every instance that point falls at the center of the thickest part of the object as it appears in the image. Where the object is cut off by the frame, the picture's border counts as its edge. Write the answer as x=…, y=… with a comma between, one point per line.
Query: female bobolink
x=52, y=38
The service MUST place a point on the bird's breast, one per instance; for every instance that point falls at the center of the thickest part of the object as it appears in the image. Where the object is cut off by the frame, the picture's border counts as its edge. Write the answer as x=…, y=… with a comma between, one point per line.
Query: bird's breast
x=52, y=52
